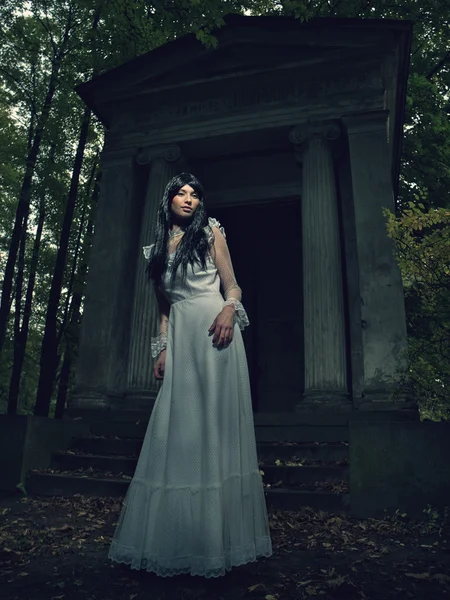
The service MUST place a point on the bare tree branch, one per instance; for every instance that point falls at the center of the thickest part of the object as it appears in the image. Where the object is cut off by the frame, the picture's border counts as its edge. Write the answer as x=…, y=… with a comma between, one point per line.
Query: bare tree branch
x=48, y=30
x=20, y=87
x=438, y=66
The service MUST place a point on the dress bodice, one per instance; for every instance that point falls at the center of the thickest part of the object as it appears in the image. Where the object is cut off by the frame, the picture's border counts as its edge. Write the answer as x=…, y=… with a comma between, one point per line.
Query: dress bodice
x=218, y=273
x=197, y=281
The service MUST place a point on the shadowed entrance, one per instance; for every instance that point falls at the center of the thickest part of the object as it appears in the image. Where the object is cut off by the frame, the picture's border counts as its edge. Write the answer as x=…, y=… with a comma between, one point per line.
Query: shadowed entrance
x=265, y=245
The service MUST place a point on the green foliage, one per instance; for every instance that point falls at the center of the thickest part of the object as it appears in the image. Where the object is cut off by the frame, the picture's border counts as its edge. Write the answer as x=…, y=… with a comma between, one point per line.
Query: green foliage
x=422, y=241
x=12, y=152
x=426, y=151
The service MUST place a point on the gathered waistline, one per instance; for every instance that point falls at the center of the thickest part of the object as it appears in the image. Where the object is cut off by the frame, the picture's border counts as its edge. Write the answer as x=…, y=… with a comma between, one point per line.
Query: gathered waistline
x=215, y=294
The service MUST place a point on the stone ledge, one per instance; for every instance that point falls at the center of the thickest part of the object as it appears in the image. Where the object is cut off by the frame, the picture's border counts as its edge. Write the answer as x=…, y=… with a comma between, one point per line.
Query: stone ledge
x=27, y=442
x=398, y=465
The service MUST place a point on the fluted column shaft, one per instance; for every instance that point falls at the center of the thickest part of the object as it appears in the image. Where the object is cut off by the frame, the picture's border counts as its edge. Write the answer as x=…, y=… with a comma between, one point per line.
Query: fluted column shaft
x=145, y=319
x=324, y=324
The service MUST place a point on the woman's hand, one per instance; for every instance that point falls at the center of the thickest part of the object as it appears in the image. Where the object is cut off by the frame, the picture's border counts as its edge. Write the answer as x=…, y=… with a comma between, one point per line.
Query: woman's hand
x=160, y=365
x=222, y=327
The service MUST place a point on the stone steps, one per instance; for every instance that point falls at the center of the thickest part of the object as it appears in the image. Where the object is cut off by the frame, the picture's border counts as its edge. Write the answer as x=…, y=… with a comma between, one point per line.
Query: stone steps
x=66, y=485
x=285, y=499
x=305, y=433
x=303, y=458
x=315, y=418
x=301, y=464
x=311, y=418
x=311, y=434
x=66, y=461
x=71, y=484
x=324, y=453
x=286, y=488
x=112, y=464
x=104, y=446
x=268, y=452
x=289, y=476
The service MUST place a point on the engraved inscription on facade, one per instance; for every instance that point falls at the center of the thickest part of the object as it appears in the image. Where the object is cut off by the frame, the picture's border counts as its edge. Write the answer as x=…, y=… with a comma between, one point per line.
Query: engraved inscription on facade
x=288, y=93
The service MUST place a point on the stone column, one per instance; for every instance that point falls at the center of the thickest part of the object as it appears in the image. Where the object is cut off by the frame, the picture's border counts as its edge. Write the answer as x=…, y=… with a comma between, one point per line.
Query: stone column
x=324, y=326
x=103, y=349
x=383, y=320
x=141, y=384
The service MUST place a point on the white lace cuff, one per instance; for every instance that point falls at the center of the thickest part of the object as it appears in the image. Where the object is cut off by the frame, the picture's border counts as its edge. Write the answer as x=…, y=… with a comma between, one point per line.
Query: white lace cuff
x=158, y=344
x=147, y=251
x=240, y=316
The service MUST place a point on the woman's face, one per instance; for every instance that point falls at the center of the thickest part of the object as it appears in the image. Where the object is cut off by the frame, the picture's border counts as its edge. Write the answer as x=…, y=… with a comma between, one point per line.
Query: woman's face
x=184, y=203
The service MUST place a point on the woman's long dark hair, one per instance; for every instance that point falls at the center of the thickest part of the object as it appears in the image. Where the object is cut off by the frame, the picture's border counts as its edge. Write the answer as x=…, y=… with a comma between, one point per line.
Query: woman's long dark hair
x=194, y=244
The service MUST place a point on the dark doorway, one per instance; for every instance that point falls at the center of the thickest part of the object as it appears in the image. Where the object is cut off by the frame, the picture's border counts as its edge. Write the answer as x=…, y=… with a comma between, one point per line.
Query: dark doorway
x=265, y=245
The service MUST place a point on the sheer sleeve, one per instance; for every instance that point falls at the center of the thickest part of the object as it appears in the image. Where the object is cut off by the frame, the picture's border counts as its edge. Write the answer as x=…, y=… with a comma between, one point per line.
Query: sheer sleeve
x=222, y=260
x=159, y=343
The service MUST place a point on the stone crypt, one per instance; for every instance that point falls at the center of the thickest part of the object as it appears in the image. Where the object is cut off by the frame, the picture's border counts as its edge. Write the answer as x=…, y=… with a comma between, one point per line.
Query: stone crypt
x=295, y=131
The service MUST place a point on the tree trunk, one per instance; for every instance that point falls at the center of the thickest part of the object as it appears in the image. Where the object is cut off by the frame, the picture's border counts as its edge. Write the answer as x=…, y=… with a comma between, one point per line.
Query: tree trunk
x=13, y=401
x=64, y=382
x=77, y=250
x=23, y=205
x=73, y=330
x=19, y=350
x=49, y=349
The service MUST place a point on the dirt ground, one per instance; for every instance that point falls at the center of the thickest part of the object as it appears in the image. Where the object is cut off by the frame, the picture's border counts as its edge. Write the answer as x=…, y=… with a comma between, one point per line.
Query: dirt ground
x=56, y=549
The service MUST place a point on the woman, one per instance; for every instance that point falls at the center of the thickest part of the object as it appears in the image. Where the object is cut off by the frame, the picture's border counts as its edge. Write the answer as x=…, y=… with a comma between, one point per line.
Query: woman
x=196, y=502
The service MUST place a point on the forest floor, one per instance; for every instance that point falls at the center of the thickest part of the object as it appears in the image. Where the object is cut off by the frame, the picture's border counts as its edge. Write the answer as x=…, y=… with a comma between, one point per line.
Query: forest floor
x=56, y=549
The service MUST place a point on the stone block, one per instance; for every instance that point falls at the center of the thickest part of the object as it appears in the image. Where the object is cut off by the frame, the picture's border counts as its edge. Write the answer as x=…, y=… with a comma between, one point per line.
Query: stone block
x=27, y=442
x=398, y=465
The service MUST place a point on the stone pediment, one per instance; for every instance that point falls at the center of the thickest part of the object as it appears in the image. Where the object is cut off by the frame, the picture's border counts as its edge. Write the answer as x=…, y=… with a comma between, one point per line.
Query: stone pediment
x=242, y=59
x=246, y=45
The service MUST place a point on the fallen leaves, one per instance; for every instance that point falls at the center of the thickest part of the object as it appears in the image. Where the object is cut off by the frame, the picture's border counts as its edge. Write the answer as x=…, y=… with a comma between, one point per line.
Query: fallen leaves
x=335, y=487
x=84, y=473
x=53, y=527
x=377, y=543
x=8, y=555
x=442, y=578
x=254, y=587
x=65, y=528
x=403, y=553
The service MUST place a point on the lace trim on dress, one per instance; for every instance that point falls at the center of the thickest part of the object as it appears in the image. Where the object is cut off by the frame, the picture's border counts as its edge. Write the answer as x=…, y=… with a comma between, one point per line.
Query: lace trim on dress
x=207, y=567
x=209, y=232
x=167, y=551
x=240, y=315
x=147, y=251
x=158, y=344
x=214, y=223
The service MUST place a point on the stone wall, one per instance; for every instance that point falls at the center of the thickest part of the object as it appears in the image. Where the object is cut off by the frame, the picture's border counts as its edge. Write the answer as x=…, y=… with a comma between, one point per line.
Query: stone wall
x=400, y=465
x=27, y=442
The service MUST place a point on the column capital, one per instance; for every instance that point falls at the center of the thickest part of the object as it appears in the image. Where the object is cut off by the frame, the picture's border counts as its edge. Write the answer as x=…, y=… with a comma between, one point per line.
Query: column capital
x=327, y=130
x=170, y=153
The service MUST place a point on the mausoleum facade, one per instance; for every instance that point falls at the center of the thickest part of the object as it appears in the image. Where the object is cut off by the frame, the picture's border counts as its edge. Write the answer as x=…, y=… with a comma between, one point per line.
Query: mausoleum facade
x=295, y=131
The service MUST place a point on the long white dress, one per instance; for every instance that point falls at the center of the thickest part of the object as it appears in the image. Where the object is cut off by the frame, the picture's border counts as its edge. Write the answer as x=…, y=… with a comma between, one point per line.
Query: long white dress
x=196, y=502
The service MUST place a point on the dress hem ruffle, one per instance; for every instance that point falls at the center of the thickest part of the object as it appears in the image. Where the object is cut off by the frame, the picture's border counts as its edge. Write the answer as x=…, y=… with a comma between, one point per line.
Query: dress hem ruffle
x=123, y=555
